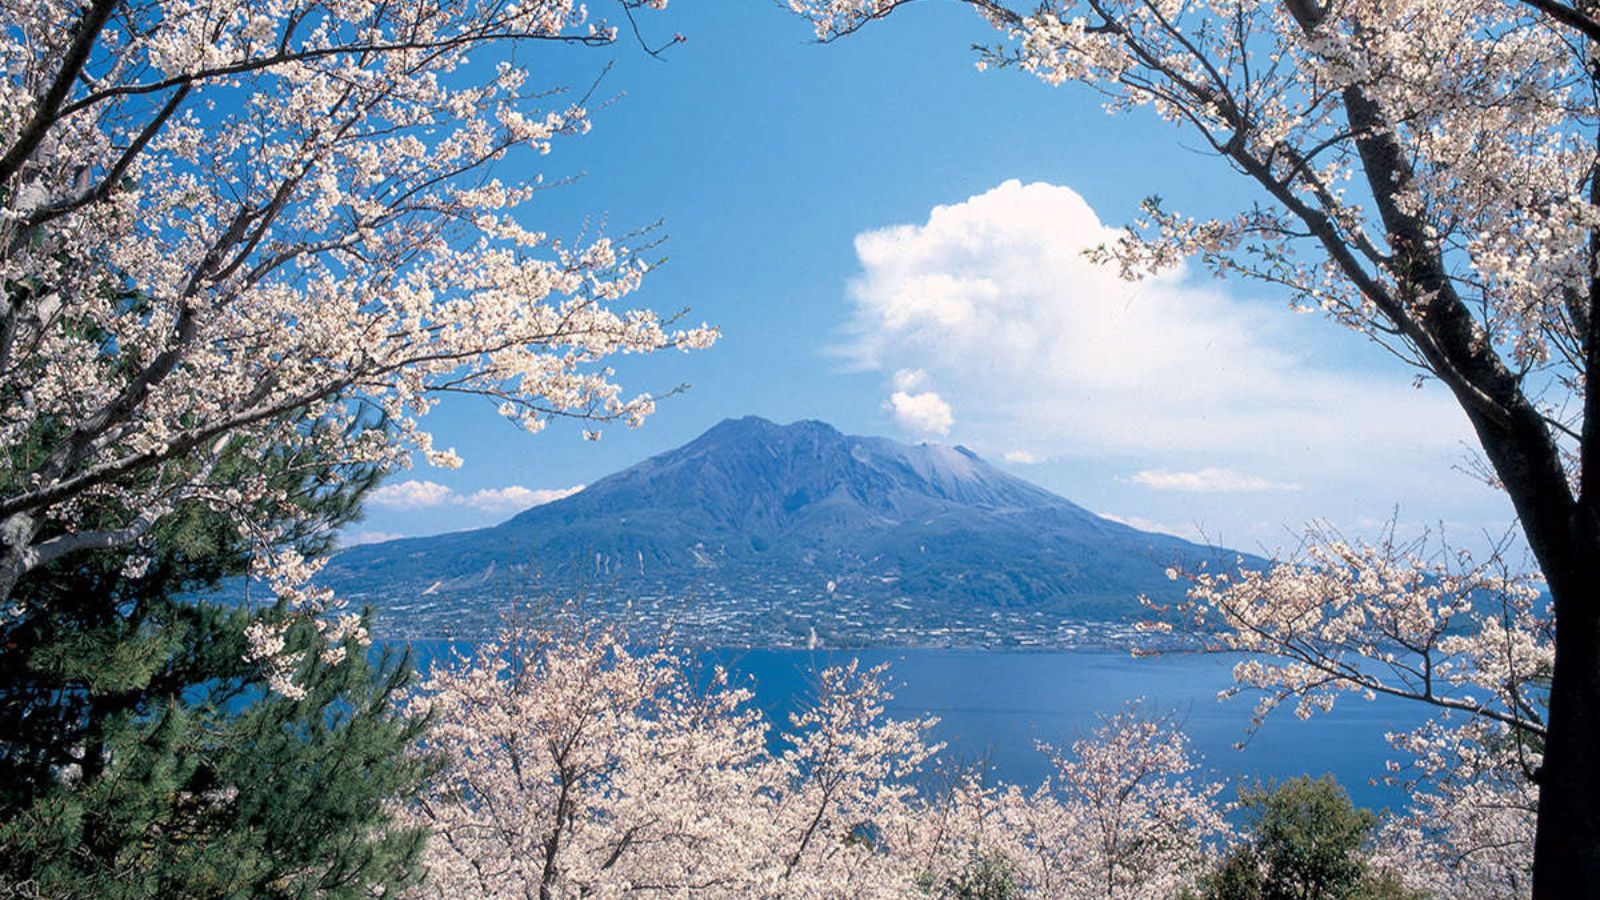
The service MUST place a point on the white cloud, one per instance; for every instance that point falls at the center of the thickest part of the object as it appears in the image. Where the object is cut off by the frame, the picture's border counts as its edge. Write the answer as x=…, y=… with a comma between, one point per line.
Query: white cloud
x=429, y=494
x=993, y=300
x=909, y=379
x=368, y=537
x=411, y=495
x=516, y=498
x=1208, y=480
x=1022, y=457
x=1187, y=532
x=924, y=413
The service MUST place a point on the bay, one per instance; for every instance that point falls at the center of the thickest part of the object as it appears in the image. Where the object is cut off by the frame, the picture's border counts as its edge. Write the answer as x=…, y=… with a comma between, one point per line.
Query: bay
x=994, y=706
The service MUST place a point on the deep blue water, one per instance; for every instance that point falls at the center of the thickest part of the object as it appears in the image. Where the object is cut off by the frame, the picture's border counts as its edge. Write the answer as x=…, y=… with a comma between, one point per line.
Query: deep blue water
x=994, y=705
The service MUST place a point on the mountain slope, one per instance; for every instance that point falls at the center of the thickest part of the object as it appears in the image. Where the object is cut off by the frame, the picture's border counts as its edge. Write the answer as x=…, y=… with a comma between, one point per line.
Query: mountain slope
x=758, y=533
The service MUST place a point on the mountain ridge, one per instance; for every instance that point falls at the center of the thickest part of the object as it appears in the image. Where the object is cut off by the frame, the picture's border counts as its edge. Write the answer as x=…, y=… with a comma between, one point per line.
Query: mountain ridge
x=755, y=533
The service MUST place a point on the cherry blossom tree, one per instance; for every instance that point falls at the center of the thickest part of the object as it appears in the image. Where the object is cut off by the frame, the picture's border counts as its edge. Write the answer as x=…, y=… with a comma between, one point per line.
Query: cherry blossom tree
x=1425, y=173
x=845, y=802
x=1124, y=814
x=1364, y=619
x=248, y=225
x=1468, y=830
x=578, y=767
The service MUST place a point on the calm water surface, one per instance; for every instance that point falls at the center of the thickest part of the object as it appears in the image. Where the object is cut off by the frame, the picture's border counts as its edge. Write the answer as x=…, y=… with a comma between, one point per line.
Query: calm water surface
x=995, y=705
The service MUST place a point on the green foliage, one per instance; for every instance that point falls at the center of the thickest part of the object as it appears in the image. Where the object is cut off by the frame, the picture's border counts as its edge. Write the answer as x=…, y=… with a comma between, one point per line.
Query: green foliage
x=987, y=876
x=220, y=789
x=1385, y=886
x=1237, y=878
x=141, y=754
x=1307, y=842
x=1308, y=836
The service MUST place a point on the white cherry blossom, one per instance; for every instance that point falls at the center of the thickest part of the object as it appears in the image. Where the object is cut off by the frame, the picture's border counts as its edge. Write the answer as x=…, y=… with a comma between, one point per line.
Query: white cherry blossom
x=282, y=227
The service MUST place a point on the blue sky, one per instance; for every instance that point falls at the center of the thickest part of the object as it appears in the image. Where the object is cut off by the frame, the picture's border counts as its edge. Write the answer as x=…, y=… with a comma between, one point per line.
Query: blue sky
x=888, y=240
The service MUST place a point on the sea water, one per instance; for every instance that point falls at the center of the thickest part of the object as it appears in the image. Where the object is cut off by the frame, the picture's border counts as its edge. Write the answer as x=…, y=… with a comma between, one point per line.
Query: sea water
x=994, y=707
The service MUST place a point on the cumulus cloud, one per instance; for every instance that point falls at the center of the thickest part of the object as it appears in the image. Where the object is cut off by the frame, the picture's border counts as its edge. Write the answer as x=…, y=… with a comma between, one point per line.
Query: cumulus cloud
x=411, y=495
x=1187, y=532
x=516, y=498
x=993, y=300
x=429, y=494
x=368, y=537
x=1208, y=480
x=924, y=413
x=909, y=379
x=1022, y=457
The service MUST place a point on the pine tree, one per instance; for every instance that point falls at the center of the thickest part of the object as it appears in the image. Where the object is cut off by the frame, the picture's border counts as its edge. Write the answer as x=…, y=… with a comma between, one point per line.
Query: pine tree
x=1307, y=841
x=142, y=755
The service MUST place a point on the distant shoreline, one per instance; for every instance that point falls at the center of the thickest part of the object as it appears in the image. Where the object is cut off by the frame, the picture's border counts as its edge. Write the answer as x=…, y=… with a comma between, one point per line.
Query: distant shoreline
x=1136, y=652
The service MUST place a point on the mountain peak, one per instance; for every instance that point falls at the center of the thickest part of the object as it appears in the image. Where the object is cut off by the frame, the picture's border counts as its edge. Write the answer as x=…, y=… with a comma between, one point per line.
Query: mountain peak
x=753, y=472
x=746, y=427
x=766, y=515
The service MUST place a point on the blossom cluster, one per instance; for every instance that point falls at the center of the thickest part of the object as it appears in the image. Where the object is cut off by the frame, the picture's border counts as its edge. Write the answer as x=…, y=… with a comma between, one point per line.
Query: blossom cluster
x=579, y=767
x=1466, y=637
x=248, y=229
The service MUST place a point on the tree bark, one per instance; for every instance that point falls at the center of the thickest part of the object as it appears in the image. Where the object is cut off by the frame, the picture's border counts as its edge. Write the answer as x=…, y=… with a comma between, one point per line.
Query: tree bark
x=1563, y=531
x=1566, y=854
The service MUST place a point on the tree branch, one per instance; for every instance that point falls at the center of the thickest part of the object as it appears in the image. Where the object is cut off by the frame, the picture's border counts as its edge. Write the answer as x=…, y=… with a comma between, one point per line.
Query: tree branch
x=87, y=32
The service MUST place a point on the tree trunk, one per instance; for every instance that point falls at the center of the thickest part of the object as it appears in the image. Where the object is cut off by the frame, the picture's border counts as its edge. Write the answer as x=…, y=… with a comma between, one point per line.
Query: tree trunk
x=1566, y=856
x=1563, y=532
